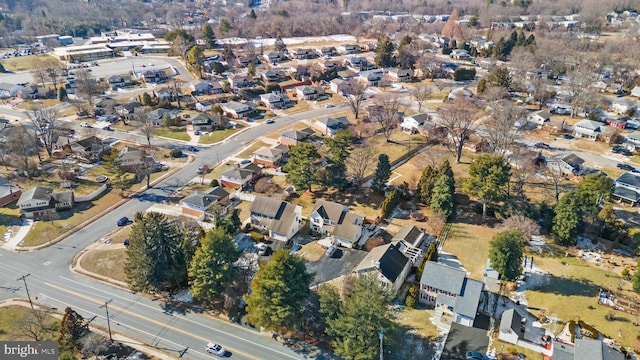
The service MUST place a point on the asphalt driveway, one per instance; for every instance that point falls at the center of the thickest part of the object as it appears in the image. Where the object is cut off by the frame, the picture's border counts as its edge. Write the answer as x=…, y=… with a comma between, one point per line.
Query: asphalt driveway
x=340, y=263
x=462, y=339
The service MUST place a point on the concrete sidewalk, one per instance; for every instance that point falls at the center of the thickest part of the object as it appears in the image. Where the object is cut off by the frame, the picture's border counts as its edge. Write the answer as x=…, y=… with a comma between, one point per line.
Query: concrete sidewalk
x=11, y=240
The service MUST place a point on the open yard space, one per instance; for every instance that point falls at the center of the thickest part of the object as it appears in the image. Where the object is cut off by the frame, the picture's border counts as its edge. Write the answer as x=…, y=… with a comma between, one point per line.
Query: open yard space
x=106, y=260
x=470, y=244
x=413, y=336
x=11, y=318
x=178, y=133
x=246, y=153
x=22, y=62
x=363, y=203
x=295, y=126
x=571, y=293
x=217, y=135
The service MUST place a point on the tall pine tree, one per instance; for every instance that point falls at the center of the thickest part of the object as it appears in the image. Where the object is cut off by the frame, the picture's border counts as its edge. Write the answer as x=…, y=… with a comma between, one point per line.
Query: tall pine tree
x=212, y=267
x=382, y=174
x=302, y=166
x=442, y=198
x=156, y=258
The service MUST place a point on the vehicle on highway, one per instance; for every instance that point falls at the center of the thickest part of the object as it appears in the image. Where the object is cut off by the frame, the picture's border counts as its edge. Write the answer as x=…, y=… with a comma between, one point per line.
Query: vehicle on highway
x=568, y=136
x=270, y=121
x=192, y=148
x=474, y=355
x=542, y=145
x=215, y=349
x=329, y=105
x=85, y=124
x=617, y=149
x=123, y=221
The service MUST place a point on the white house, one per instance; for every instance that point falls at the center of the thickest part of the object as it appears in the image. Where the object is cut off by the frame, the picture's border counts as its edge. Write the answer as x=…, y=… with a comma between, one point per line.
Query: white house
x=335, y=220
x=282, y=219
x=537, y=119
x=236, y=109
x=413, y=123
x=338, y=85
x=388, y=264
x=623, y=106
x=587, y=129
x=204, y=105
x=307, y=92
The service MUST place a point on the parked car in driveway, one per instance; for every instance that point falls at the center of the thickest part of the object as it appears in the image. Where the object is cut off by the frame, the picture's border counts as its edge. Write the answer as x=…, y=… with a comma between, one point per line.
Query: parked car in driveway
x=474, y=355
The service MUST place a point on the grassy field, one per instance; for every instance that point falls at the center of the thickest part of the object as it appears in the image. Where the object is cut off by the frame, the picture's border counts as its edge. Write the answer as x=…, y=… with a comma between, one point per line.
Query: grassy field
x=413, y=335
x=573, y=288
x=470, y=244
x=365, y=204
x=216, y=136
x=246, y=153
x=312, y=251
x=12, y=316
x=108, y=262
x=178, y=133
x=22, y=62
x=503, y=347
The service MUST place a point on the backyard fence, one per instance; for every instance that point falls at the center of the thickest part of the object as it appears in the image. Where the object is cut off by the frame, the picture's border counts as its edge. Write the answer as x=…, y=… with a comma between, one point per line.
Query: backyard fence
x=94, y=194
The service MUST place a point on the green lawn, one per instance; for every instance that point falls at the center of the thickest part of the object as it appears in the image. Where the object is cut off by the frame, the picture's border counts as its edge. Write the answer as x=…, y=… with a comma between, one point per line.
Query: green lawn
x=178, y=133
x=573, y=288
x=216, y=136
x=106, y=262
x=470, y=244
x=11, y=317
x=22, y=62
x=249, y=151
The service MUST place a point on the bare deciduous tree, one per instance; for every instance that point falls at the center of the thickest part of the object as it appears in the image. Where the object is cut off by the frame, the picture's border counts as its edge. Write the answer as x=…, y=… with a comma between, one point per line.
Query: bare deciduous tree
x=45, y=125
x=88, y=88
x=459, y=116
x=359, y=161
x=355, y=95
x=385, y=113
x=578, y=83
x=540, y=91
x=526, y=226
x=35, y=325
x=22, y=145
x=93, y=344
x=38, y=72
x=501, y=124
x=421, y=93
x=430, y=65
x=52, y=69
x=146, y=124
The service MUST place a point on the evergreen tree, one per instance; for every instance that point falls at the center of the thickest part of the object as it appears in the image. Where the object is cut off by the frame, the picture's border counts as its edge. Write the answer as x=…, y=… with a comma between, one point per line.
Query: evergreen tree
x=363, y=313
x=488, y=177
x=208, y=35
x=338, y=149
x=567, y=217
x=442, y=198
x=406, y=40
x=278, y=292
x=302, y=166
x=212, y=267
x=430, y=255
x=2, y=69
x=62, y=94
x=146, y=99
x=251, y=69
x=280, y=45
x=252, y=14
x=636, y=278
x=231, y=224
x=382, y=174
x=384, y=53
x=155, y=255
x=500, y=77
x=506, y=253
x=72, y=329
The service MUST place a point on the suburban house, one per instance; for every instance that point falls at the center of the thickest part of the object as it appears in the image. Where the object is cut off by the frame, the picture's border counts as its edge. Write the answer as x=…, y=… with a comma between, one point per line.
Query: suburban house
x=152, y=76
x=303, y=54
x=34, y=92
x=330, y=126
x=8, y=192
x=475, y=143
x=371, y=78
x=156, y=115
x=239, y=81
x=618, y=123
x=335, y=220
x=240, y=177
x=623, y=105
x=514, y=329
x=413, y=242
x=327, y=51
x=338, y=85
x=587, y=129
x=388, y=264
x=356, y=63
x=400, y=75
x=298, y=71
x=570, y=166
x=635, y=91
x=273, y=75
x=89, y=149
x=9, y=90
x=349, y=49
x=163, y=93
x=585, y=349
x=204, y=105
x=274, y=100
x=307, y=92
x=627, y=188
x=206, y=122
x=272, y=157
x=132, y=159
x=413, y=123
x=460, y=54
x=633, y=141
x=293, y=137
x=282, y=219
x=196, y=204
x=200, y=88
x=460, y=93
x=555, y=125
x=449, y=290
x=119, y=81
x=236, y=109
x=537, y=119
x=275, y=57
x=40, y=202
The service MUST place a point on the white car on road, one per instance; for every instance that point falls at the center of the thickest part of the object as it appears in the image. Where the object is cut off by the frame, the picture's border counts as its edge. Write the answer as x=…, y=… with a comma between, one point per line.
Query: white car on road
x=85, y=124
x=215, y=349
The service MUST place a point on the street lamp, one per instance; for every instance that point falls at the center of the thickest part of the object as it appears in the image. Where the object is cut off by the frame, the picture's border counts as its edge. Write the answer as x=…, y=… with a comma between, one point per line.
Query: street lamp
x=106, y=307
x=24, y=278
x=381, y=344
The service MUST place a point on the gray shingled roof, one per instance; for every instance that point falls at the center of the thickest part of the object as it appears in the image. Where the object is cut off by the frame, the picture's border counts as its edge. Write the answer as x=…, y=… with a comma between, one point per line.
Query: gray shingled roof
x=590, y=349
x=409, y=234
x=469, y=298
x=626, y=193
x=276, y=215
x=329, y=210
x=630, y=179
x=511, y=320
x=391, y=261
x=39, y=193
x=443, y=277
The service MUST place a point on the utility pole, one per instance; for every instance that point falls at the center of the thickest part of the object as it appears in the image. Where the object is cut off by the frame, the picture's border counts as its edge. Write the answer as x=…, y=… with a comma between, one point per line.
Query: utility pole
x=106, y=307
x=381, y=344
x=24, y=278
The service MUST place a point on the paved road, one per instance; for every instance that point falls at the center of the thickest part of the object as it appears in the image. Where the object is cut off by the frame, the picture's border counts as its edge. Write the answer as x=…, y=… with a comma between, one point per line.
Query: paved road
x=54, y=285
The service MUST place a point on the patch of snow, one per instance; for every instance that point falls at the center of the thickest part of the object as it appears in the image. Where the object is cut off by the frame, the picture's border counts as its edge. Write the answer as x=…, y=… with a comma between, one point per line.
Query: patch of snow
x=184, y=296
